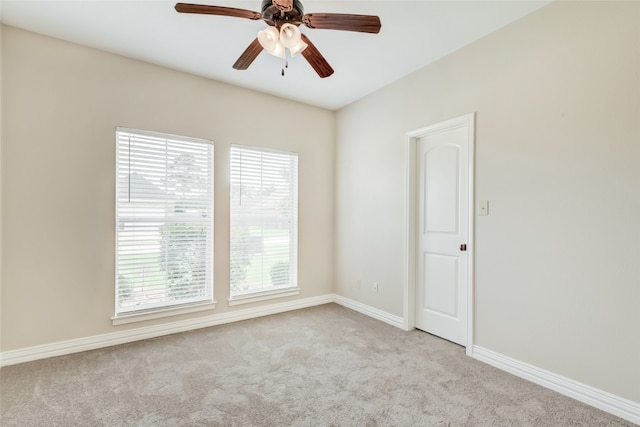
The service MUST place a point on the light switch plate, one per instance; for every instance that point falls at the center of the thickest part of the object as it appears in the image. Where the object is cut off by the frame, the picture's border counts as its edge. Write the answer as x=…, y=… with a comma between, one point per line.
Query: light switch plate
x=484, y=207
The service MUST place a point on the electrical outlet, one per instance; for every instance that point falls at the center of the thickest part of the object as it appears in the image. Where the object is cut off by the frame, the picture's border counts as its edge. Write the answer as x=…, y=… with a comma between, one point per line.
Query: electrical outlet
x=375, y=287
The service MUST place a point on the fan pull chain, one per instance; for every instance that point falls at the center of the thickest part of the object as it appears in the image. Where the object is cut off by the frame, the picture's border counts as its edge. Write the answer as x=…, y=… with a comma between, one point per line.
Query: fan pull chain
x=285, y=63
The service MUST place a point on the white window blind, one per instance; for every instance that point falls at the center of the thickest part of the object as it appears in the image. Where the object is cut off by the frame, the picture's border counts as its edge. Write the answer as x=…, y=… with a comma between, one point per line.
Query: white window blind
x=264, y=220
x=164, y=215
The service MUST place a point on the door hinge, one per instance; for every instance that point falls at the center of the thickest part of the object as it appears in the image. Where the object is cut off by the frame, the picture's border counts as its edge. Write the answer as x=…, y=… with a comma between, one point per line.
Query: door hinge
x=463, y=247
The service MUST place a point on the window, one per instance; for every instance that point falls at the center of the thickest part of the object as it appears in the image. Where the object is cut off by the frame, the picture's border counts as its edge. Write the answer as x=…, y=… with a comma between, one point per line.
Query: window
x=164, y=216
x=264, y=222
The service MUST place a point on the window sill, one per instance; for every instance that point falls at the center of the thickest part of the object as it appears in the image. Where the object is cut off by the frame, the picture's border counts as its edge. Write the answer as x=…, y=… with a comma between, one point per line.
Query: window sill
x=141, y=316
x=262, y=296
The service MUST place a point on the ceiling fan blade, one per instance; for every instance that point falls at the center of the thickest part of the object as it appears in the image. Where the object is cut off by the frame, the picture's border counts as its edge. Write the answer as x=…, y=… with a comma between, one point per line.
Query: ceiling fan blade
x=217, y=10
x=343, y=21
x=248, y=55
x=315, y=59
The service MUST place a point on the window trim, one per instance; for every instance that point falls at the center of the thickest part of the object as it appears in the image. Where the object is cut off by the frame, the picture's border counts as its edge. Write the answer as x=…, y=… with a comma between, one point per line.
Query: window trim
x=248, y=298
x=157, y=313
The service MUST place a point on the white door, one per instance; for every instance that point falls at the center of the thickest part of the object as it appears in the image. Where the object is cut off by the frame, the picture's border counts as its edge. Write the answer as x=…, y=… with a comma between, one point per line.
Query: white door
x=443, y=231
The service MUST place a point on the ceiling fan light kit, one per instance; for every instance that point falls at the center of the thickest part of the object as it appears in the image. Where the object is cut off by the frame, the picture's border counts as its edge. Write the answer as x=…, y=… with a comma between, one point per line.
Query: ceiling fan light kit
x=283, y=18
x=275, y=42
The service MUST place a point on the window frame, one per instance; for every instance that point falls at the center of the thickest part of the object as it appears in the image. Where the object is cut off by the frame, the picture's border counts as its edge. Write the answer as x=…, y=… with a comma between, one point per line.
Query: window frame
x=166, y=308
x=268, y=292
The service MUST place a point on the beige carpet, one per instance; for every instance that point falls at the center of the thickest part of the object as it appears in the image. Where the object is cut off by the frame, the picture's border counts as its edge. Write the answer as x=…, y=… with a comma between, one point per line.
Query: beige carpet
x=323, y=366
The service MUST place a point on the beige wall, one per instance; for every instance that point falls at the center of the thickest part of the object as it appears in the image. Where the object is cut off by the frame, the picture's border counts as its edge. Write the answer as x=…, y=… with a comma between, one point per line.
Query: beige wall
x=62, y=104
x=557, y=103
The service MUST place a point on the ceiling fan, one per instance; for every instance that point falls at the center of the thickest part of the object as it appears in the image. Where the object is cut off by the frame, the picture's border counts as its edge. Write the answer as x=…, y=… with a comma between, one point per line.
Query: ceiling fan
x=283, y=18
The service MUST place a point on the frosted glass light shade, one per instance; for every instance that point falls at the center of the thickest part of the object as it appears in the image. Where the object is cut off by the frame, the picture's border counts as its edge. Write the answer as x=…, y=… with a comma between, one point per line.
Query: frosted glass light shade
x=299, y=47
x=268, y=38
x=289, y=35
x=278, y=50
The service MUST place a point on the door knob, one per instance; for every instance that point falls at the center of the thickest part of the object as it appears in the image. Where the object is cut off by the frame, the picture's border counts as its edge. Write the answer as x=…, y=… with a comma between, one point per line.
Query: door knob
x=463, y=247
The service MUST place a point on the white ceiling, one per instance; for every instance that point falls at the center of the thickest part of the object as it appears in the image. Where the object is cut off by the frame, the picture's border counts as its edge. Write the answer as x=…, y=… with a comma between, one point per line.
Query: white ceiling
x=414, y=34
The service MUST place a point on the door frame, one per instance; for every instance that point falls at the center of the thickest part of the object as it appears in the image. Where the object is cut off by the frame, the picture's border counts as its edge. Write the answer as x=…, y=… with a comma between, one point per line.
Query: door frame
x=410, y=225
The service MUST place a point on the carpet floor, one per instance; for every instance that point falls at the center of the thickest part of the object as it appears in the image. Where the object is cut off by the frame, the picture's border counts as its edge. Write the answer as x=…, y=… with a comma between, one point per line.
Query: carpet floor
x=322, y=366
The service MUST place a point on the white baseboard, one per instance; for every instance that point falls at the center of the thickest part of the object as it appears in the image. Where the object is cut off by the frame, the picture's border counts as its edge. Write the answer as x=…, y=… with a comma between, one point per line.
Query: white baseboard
x=378, y=314
x=62, y=348
x=600, y=399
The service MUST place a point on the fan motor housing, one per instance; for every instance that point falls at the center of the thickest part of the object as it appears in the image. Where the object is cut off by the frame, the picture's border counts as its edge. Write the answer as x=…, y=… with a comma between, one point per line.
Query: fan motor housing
x=275, y=17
